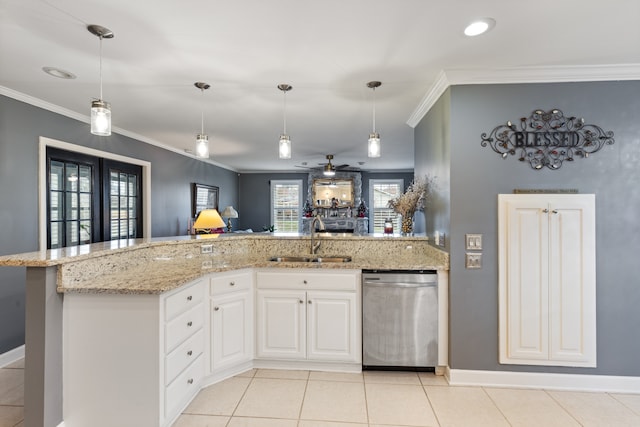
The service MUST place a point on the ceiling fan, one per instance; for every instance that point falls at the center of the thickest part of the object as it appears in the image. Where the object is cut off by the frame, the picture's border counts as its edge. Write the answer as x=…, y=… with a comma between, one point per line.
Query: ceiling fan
x=329, y=169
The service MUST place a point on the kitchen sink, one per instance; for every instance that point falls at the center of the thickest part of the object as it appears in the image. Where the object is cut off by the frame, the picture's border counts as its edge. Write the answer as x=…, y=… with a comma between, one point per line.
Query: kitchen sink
x=311, y=258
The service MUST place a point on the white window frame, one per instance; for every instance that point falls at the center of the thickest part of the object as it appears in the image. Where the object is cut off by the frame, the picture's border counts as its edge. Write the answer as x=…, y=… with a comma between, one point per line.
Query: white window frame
x=273, y=184
x=45, y=142
x=372, y=183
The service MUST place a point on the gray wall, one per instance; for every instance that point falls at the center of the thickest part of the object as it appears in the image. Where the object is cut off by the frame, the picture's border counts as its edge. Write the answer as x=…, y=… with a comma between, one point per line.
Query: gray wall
x=21, y=125
x=255, y=192
x=433, y=159
x=478, y=175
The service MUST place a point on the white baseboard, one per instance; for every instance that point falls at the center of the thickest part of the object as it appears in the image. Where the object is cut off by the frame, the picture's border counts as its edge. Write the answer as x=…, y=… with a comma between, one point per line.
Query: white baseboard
x=11, y=356
x=574, y=382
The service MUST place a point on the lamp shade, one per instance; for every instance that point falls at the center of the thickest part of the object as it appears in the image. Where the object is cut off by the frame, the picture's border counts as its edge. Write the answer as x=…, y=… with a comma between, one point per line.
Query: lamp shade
x=100, y=118
x=374, y=145
x=284, y=151
x=202, y=145
x=208, y=219
x=229, y=212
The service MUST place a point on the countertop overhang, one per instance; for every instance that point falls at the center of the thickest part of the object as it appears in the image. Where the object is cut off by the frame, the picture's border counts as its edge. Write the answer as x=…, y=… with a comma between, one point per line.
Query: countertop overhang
x=157, y=265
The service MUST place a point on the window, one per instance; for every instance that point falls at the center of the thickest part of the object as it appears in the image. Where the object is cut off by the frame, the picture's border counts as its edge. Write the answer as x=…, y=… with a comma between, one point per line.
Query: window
x=286, y=205
x=381, y=191
x=90, y=199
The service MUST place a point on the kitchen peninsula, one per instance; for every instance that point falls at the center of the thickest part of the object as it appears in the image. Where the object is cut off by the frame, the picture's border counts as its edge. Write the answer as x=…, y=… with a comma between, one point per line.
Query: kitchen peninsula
x=132, y=323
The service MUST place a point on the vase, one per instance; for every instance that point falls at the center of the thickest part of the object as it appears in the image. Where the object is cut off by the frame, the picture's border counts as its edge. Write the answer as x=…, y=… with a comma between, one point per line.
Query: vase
x=407, y=225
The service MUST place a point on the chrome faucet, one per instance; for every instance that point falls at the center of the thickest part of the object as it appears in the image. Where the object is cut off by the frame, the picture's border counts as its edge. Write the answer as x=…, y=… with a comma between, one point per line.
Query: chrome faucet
x=316, y=246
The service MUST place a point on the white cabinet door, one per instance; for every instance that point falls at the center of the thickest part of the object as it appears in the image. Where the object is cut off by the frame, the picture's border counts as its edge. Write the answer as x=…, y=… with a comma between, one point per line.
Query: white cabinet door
x=547, y=279
x=332, y=326
x=231, y=329
x=281, y=324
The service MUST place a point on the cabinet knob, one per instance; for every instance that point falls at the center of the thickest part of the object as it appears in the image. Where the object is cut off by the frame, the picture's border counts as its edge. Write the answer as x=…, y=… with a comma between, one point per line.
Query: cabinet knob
x=216, y=308
x=555, y=211
x=190, y=381
x=301, y=302
x=309, y=301
x=189, y=353
x=189, y=323
x=190, y=297
x=232, y=283
x=304, y=281
x=545, y=210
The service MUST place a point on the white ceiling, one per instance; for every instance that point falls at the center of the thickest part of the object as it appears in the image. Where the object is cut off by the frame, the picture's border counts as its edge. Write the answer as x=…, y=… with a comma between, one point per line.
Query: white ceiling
x=326, y=50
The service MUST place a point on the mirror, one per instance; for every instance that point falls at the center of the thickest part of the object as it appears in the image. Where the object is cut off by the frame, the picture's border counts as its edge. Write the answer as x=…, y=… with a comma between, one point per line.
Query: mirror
x=338, y=191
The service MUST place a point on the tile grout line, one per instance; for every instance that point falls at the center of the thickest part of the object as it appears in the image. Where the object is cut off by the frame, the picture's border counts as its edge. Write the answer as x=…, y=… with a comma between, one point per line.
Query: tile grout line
x=562, y=406
x=433, y=409
x=613, y=396
x=496, y=406
x=244, y=393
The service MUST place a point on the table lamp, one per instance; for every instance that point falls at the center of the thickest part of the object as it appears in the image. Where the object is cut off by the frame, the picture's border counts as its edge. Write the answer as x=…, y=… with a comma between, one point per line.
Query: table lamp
x=208, y=221
x=229, y=213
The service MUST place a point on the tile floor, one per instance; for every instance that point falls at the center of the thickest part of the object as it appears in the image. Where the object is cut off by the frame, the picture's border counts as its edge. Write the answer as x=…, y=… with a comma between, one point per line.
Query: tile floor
x=272, y=398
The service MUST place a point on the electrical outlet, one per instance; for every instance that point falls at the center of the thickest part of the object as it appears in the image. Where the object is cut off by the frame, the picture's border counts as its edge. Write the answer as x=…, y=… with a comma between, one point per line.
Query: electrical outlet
x=206, y=249
x=474, y=242
x=473, y=260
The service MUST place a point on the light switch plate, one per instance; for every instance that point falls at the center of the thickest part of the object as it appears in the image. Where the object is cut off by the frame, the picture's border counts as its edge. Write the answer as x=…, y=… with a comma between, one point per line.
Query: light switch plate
x=473, y=260
x=473, y=242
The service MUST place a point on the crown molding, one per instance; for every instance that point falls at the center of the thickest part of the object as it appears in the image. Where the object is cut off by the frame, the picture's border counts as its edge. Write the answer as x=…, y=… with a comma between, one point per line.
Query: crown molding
x=582, y=73
x=19, y=96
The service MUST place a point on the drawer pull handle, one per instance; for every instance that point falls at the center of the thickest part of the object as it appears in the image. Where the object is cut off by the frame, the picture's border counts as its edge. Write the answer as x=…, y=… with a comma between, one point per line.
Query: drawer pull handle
x=189, y=353
x=190, y=324
x=232, y=283
x=216, y=308
x=190, y=381
x=190, y=297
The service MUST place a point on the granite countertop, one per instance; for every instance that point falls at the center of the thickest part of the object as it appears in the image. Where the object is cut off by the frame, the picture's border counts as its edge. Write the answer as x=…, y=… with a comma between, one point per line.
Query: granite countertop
x=155, y=266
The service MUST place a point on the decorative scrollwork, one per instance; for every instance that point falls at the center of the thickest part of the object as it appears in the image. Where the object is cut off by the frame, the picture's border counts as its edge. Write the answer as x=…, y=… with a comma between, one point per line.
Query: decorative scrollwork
x=547, y=138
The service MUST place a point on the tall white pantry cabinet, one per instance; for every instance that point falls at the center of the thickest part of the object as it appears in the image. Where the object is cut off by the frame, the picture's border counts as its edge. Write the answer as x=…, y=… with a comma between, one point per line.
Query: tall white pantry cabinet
x=547, y=279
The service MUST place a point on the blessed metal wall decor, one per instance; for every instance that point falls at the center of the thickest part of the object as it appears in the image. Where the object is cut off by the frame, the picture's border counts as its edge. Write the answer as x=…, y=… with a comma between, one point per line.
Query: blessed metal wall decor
x=547, y=138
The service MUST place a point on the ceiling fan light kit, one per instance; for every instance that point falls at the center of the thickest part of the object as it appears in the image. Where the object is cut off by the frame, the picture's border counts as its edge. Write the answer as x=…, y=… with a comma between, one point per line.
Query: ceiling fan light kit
x=374, y=147
x=100, y=109
x=284, y=146
x=202, y=139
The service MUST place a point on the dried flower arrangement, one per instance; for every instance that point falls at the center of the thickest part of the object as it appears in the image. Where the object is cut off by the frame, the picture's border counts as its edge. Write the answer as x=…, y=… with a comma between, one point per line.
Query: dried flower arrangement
x=413, y=199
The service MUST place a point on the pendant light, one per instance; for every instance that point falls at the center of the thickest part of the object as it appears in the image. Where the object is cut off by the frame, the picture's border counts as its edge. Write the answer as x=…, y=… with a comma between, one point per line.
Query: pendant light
x=284, y=148
x=100, y=109
x=202, y=139
x=373, y=149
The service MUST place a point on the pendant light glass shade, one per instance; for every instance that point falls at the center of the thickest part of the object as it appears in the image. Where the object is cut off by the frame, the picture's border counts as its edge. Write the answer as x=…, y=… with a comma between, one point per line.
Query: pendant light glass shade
x=100, y=118
x=100, y=109
x=374, y=147
x=284, y=151
x=202, y=145
x=202, y=139
x=284, y=146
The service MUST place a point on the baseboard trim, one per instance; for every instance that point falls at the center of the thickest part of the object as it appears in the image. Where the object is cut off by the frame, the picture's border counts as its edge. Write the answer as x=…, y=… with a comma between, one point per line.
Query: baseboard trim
x=574, y=382
x=11, y=356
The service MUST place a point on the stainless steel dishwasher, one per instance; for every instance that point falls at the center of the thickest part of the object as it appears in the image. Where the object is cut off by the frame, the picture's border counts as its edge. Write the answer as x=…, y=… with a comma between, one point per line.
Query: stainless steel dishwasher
x=399, y=319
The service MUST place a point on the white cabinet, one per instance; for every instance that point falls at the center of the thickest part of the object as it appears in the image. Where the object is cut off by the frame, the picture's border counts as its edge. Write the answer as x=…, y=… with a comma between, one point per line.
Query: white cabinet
x=308, y=315
x=138, y=358
x=231, y=319
x=547, y=279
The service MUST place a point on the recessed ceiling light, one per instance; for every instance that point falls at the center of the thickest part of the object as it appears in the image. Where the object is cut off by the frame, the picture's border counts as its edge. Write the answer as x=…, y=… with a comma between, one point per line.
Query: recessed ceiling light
x=479, y=26
x=59, y=73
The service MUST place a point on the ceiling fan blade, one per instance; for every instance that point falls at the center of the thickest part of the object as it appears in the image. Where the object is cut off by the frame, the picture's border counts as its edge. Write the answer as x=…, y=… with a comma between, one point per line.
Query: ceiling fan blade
x=341, y=166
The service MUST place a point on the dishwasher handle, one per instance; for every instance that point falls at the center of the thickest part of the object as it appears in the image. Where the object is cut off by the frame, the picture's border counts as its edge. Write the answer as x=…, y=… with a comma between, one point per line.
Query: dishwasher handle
x=399, y=284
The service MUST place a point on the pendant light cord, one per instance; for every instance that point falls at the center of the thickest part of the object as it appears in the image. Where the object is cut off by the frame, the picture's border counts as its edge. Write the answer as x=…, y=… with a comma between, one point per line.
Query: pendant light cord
x=374, y=110
x=284, y=112
x=202, y=113
x=100, y=37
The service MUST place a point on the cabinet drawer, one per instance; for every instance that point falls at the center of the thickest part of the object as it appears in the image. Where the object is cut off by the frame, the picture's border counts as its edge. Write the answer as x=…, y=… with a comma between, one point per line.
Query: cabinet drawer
x=230, y=283
x=183, y=300
x=307, y=280
x=182, y=327
x=182, y=356
x=185, y=385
